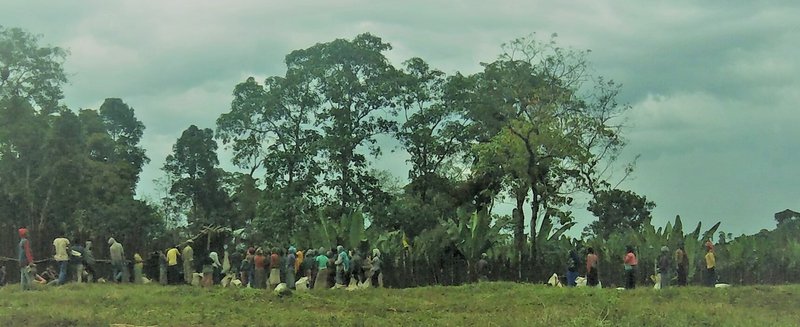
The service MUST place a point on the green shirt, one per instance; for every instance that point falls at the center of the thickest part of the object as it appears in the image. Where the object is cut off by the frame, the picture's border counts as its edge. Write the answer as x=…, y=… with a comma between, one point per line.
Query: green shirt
x=322, y=262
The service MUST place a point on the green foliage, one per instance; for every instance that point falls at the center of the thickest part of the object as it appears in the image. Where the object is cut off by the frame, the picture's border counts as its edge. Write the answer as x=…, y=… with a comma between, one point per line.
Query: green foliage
x=617, y=209
x=29, y=71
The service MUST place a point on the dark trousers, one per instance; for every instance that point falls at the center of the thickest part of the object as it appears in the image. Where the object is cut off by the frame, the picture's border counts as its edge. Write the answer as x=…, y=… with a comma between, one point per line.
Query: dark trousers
x=630, y=278
x=682, y=275
x=711, y=277
x=591, y=278
x=173, y=275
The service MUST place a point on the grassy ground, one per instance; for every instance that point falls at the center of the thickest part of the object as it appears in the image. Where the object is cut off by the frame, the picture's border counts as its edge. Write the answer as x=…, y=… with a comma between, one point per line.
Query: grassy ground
x=487, y=304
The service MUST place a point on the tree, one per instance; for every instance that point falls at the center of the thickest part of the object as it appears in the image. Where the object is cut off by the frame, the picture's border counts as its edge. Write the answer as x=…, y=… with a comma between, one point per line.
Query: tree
x=354, y=84
x=617, y=210
x=270, y=127
x=196, y=180
x=126, y=131
x=432, y=131
x=543, y=128
x=30, y=71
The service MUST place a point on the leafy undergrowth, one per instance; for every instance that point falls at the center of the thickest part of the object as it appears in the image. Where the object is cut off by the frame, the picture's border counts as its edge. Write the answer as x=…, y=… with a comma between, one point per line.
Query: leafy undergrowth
x=486, y=304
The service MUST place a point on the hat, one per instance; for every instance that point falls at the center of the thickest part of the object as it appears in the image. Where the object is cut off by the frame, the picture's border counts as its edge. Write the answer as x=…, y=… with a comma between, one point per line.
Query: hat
x=664, y=249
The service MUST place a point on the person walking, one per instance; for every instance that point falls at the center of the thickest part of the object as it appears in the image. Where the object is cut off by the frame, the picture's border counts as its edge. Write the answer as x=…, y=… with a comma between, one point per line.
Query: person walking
x=592, y=264
x=188, y=262
x=664, y=266
x=117, y=260
x=711, y=264
x=25, y=256
x=682, y=262
x=630, y=262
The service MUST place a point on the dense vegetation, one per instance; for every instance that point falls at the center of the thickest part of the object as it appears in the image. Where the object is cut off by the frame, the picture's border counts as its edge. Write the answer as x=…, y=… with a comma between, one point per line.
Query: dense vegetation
x=534, y=127
x=485, y=304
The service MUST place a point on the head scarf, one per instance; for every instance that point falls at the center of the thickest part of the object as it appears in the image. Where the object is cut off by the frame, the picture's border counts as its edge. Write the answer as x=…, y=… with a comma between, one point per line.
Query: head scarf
x=23, y=232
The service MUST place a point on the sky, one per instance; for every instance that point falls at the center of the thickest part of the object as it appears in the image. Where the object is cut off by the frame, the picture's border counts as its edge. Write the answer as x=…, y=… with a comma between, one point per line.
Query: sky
x=713, y=86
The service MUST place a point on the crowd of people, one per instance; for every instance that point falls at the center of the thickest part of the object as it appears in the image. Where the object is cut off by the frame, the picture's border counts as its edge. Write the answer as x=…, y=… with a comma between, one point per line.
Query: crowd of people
x=254, y=267
x=667, y=263
x=261, y=268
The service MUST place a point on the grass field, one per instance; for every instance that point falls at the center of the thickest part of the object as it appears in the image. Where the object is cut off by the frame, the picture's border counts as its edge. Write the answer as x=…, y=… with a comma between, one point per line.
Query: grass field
x=487, y=304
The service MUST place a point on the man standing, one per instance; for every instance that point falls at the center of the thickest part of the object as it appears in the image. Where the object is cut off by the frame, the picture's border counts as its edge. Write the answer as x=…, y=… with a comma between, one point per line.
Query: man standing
x=664, y=266
x=88, y=262
x=683, y=264
x=711, y=263
x=25, y=260
x=117, y=260
x=188, y=262
x=592, y=263
x=62, y=258
x=172, y=266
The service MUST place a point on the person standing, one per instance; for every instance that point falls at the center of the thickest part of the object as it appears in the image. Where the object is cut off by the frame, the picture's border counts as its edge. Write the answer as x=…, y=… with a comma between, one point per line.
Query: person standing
x=342, y=266
x=376, y=274
x=592, y=263
x=260, y=269
x=274, y=269
x=664, y=266
x=321, y=281
x=482, y=268
x=117, y=260
x=682, y=261
x=173, y=272
x=62, y=258
x=630, y=262
x=217, y=267
x=25, y=256
x=77, y=259
x=188, y=262
x=291, y=259
x=572, y=268
x=246, y=267
x=88, y=262
x=138, y=266
x=711, y=263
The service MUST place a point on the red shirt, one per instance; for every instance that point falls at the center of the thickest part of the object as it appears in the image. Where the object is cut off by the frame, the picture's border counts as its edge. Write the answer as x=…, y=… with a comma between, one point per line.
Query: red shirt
x=630, y=259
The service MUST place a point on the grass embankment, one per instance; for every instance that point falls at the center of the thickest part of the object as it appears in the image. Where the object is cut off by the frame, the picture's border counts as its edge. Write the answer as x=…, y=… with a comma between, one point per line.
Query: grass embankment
x=487, y=304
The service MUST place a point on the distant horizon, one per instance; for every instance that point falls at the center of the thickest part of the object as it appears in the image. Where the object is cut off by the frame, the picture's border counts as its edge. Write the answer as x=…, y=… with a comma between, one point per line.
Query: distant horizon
x=713, y=91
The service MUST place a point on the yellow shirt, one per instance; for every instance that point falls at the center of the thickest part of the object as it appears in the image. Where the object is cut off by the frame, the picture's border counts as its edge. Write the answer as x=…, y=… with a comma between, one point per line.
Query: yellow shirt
x=172, y=257
x=711, y=260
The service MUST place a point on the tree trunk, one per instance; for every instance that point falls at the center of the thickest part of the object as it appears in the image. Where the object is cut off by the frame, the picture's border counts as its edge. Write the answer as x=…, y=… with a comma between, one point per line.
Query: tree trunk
x=519, y=231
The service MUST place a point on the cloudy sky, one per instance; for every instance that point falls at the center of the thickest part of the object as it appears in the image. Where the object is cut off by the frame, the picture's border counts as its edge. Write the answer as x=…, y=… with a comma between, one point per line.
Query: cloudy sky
x=714, y=86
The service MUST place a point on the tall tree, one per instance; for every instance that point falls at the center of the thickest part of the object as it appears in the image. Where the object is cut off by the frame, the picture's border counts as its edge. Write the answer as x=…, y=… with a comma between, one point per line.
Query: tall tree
x=126, y=131
x=546, y=124
x=270, y=128
x=30, y=71
x=356, y=87
x=432, y=131
x=196, y=179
